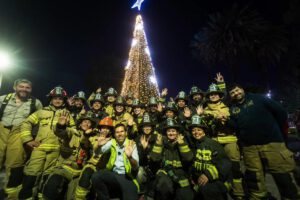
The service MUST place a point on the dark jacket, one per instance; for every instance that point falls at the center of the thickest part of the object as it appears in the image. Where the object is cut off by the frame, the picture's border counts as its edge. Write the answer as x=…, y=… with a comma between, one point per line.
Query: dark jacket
x=258, y=120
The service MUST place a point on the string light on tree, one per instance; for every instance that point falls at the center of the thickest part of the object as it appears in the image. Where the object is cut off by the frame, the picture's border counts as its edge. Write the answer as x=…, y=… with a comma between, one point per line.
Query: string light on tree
x=140, y=77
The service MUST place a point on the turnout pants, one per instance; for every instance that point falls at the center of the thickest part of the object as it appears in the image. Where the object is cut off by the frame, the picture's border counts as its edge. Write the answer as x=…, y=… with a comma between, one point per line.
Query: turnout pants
x=40, y=165
x=13, y=157
x=62, y=181
x=85, y=182
x=275, y=158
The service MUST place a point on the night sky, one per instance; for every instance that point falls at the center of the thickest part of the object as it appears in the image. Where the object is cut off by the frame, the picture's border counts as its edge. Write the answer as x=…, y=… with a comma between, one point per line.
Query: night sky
x=57, y=42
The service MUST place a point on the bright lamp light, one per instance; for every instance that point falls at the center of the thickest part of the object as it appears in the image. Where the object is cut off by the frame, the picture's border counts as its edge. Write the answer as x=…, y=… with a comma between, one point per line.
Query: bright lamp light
x=5, y=60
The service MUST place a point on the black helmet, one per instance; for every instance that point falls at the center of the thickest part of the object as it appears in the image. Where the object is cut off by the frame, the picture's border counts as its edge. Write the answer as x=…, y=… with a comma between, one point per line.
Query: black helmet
x=146, y=120
x=87, y=116
x=181, y=95
x=212, y=89
x=197, y=121
x=152, y=101
x=137, y=104
x=119, y=101
x=98, y=97
x=80, y=95
x=171, y=123
x=171, y=106
x=195, y=90
x=111, y=92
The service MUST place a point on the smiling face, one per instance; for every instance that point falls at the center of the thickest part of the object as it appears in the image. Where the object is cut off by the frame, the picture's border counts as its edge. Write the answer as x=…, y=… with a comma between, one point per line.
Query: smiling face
x=137, y=110
x=86, y=124
x=197, y=97
x=57, y=102
x=237, y=94
x=181, y=103
x=119, y=108
x=120, y=134
x=198, y=133
x=23, y=90
x=111, y=99
x=78, y=103
x=147, y=129
x=170, y=114
x=172, y=134
x=97, y=105
x=214, y=97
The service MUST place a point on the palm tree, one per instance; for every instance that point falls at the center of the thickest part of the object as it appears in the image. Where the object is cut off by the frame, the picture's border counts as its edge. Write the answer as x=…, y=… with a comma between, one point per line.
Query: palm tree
x=239, y=35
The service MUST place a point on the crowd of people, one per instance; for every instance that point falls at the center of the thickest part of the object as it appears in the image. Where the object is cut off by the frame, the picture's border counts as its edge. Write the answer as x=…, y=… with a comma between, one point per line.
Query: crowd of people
x=108, y=146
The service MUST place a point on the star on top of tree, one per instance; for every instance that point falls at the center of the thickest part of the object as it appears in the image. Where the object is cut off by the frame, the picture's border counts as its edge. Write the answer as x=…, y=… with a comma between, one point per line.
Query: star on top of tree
x=138, y=4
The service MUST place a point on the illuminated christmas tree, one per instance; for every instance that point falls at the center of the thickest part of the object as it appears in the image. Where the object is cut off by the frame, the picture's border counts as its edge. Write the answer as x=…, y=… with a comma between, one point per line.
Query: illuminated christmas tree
x=139, y=72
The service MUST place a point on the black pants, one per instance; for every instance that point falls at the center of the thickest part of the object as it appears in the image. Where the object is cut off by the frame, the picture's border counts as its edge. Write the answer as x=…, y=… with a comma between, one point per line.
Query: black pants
x=212, y=191
x=108, y=185
x=166, y=189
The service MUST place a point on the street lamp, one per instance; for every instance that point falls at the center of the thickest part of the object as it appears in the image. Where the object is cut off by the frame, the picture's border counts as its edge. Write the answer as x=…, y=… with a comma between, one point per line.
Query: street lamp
x=5, y=63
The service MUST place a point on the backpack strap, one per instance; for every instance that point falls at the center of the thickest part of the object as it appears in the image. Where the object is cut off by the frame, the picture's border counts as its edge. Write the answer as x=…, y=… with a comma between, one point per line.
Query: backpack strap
x=4, y=104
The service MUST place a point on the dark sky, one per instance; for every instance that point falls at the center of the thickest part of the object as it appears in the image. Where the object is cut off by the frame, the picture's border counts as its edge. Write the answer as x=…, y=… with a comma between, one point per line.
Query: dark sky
x=55, y=42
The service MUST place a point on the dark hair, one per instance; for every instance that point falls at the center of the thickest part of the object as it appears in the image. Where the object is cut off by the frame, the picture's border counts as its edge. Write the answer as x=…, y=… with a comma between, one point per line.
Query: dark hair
x=120, y=124
x=231, y=86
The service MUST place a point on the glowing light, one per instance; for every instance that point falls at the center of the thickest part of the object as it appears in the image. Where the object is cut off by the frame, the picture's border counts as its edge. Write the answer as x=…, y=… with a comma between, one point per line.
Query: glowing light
x=128, y=64
x=147, y=51
x=269, y=94
x=134, y=42
x=153, y=79
x=139, y=27
x=5, y=60
x=138, y=4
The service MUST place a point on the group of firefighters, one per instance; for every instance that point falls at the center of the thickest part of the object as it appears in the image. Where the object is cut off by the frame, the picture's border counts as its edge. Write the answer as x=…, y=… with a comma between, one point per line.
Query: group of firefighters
x=107, y=146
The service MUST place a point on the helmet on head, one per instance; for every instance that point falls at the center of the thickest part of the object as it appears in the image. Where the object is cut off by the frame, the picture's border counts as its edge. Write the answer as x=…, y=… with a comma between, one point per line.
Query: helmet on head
x=181, y=96
x=119, y=101
x=152, y=101
x=87, y=116
x=98, y=97
x=57, y=92
x=146, y=120
x=171, y=123
x=195, y=90
x=111, y=92
x=137, y=104
x=106, y=121
x=197, y=121
x=171, y=106
x=129, y=95
x=80, y=95
x=214, y=89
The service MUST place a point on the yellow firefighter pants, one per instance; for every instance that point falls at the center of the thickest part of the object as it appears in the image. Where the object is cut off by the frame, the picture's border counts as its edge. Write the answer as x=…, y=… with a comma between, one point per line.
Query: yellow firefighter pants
x=233, y=152
x=66, y=177
x=85, y=183
x=275, y=158
x=13, y=156
x=41, y=163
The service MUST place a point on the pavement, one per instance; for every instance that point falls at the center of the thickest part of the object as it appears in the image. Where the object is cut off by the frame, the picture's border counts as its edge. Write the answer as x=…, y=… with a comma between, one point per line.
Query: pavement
x=272, y=188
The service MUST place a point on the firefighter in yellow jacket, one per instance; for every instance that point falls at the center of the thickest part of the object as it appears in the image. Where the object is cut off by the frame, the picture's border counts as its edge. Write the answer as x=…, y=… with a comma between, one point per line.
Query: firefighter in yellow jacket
x=121, y=116
x=96, y=162
x=45, y=146
x=223, y=134
x=110, y=96
x=74, y=153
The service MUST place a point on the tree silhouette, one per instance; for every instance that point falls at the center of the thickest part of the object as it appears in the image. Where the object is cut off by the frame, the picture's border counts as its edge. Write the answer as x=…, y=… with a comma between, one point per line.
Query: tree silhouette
x=239, y=35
